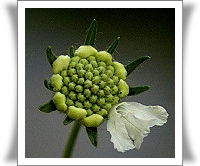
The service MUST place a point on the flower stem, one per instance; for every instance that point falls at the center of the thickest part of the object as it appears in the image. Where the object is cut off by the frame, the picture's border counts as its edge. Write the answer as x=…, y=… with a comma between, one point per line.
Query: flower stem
x=70, y=144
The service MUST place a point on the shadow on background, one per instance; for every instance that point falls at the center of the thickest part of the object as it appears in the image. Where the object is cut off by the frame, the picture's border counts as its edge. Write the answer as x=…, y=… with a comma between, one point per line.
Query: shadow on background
x=12, y=155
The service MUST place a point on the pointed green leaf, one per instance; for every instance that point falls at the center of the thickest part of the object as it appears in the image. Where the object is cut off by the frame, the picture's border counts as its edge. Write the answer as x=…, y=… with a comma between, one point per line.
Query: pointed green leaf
x=71, y=52
x=92, y=134
x=113, y=46
x=48, y=85
x=131, y=66
x=137, y=90
x=50, y=55
x=48, y=107
x=67, y=121
x=91, y=34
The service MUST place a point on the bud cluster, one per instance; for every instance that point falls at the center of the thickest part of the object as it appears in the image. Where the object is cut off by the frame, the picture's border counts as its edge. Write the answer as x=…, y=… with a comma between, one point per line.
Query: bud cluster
x=87, y=85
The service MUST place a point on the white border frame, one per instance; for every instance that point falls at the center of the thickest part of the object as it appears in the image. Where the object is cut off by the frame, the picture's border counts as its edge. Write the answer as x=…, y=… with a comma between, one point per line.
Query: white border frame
x=178, y=82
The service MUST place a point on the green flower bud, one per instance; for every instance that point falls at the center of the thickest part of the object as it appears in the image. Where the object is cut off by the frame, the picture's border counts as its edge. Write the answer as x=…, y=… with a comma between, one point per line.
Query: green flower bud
x=102, y=84
x=78, y=88
x=88, y=84
x=75, y=59
x=120, y=70
x=65, y=90
x=72, y=95
x=109, y=73
x=87, y=104
x=115, y=79
x=63, y=73
x=74, y=78
x=81, y=73
x=101, y=93
x=80, y=81
x=71, y=86
x=66, y=80
x=89, y=112
x=81, y=97
x=107, y=106
x=78, y=104
x=84, y=61
x=115, y=99
x=100, y=101
x=85, y=51
x=109, y=98
x=95, y=88
x=104, y=56
x=59, y=101
x=79, y=66
x=102, y=64
x=69, y=102
x=96, y=79
x=76, y=113
x=95, y=108
x=95, y=72
x=110, y=82
x=104, y=77
x=88, y=75
x=111, y=68
x=87, y=93
x=56, y=82
x=71, y=72
x=91, y=58
x=93, y=121
x=61, y=63
x=102, y=112
x=123, y=88
x=94, y=64
x=88, y=67
x=114, y=90
x=72, y=64
x=93, y=98
x=107, y=90
x=101, y=69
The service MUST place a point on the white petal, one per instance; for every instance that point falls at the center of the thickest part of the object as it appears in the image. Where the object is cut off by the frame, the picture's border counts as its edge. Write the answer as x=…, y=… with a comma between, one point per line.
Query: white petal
x=128, y=123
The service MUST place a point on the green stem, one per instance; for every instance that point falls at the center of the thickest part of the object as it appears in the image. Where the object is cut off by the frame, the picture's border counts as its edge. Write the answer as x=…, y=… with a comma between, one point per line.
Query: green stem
x=70, y=144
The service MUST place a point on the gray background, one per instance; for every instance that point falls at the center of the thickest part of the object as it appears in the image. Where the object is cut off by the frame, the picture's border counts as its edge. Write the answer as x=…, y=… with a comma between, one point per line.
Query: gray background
x=143, y=32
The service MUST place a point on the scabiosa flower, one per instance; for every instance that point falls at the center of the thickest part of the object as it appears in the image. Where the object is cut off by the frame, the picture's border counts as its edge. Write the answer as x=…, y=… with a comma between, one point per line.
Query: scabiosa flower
x=88, y=86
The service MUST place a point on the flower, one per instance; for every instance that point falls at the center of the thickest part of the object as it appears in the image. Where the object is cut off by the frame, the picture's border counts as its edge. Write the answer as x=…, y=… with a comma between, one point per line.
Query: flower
x=129, y=122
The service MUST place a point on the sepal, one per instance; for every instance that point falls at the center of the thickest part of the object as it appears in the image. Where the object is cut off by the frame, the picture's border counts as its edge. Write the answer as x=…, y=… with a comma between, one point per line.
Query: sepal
x=67, y=120
x=50, y=55
x=93, y=135
x=137, y=90
x=48, y=85
x=113, y=46
x=48, y=107
x=131, y=66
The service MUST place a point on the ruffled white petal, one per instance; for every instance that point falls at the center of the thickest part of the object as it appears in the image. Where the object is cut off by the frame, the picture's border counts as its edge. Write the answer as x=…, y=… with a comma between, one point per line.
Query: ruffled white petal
x=128, y=123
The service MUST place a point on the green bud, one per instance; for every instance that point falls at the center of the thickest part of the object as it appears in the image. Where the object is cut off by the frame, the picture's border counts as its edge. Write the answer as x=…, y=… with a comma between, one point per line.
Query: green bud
x=75, y=59
x=107, y=90
x=110, y=82
x=102, y=112
x=95, y=88
x=89, y=112
x=102, y=64
x=109, y=73
x=101, y=69
x=91, y=58
x=93, y=121
x=80, y=81
x=66, y=80
x=102, y=84
x=85, y=51
x=63, y=73
x=78, y=88
x=76, y=113
x=56, y=82
x=87, y=104
x=111, y=68
x=107, y=106
x=104, y=77
x=95, y=72
x=65, y=90
x=71, y=72
x=69, y=102
x=96, y=79
x=114, y=90
x=94, y=64
x=105, y=57
x=59, y=101
x=71, y=86
x=115, y=79
x=72, y=64
x=79, y=66
x=93, y=98
x=95, y=108
x=115, y=99
x=81, y=97
x=101, y=93
x=61, y=63
x=81, y=73
x=84, y=61
x=100, y=101
x=74, y=78
x=123, y=88
x=78, y=104
x=109, y=98
x=87, y=93
x=88, y=84
x=72, y=95
x=120, y=70
x=88, y=67
x=88, y=75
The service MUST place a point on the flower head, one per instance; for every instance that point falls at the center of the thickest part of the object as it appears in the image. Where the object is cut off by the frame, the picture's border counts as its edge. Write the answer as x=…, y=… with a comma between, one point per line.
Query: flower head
x=88, y=86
